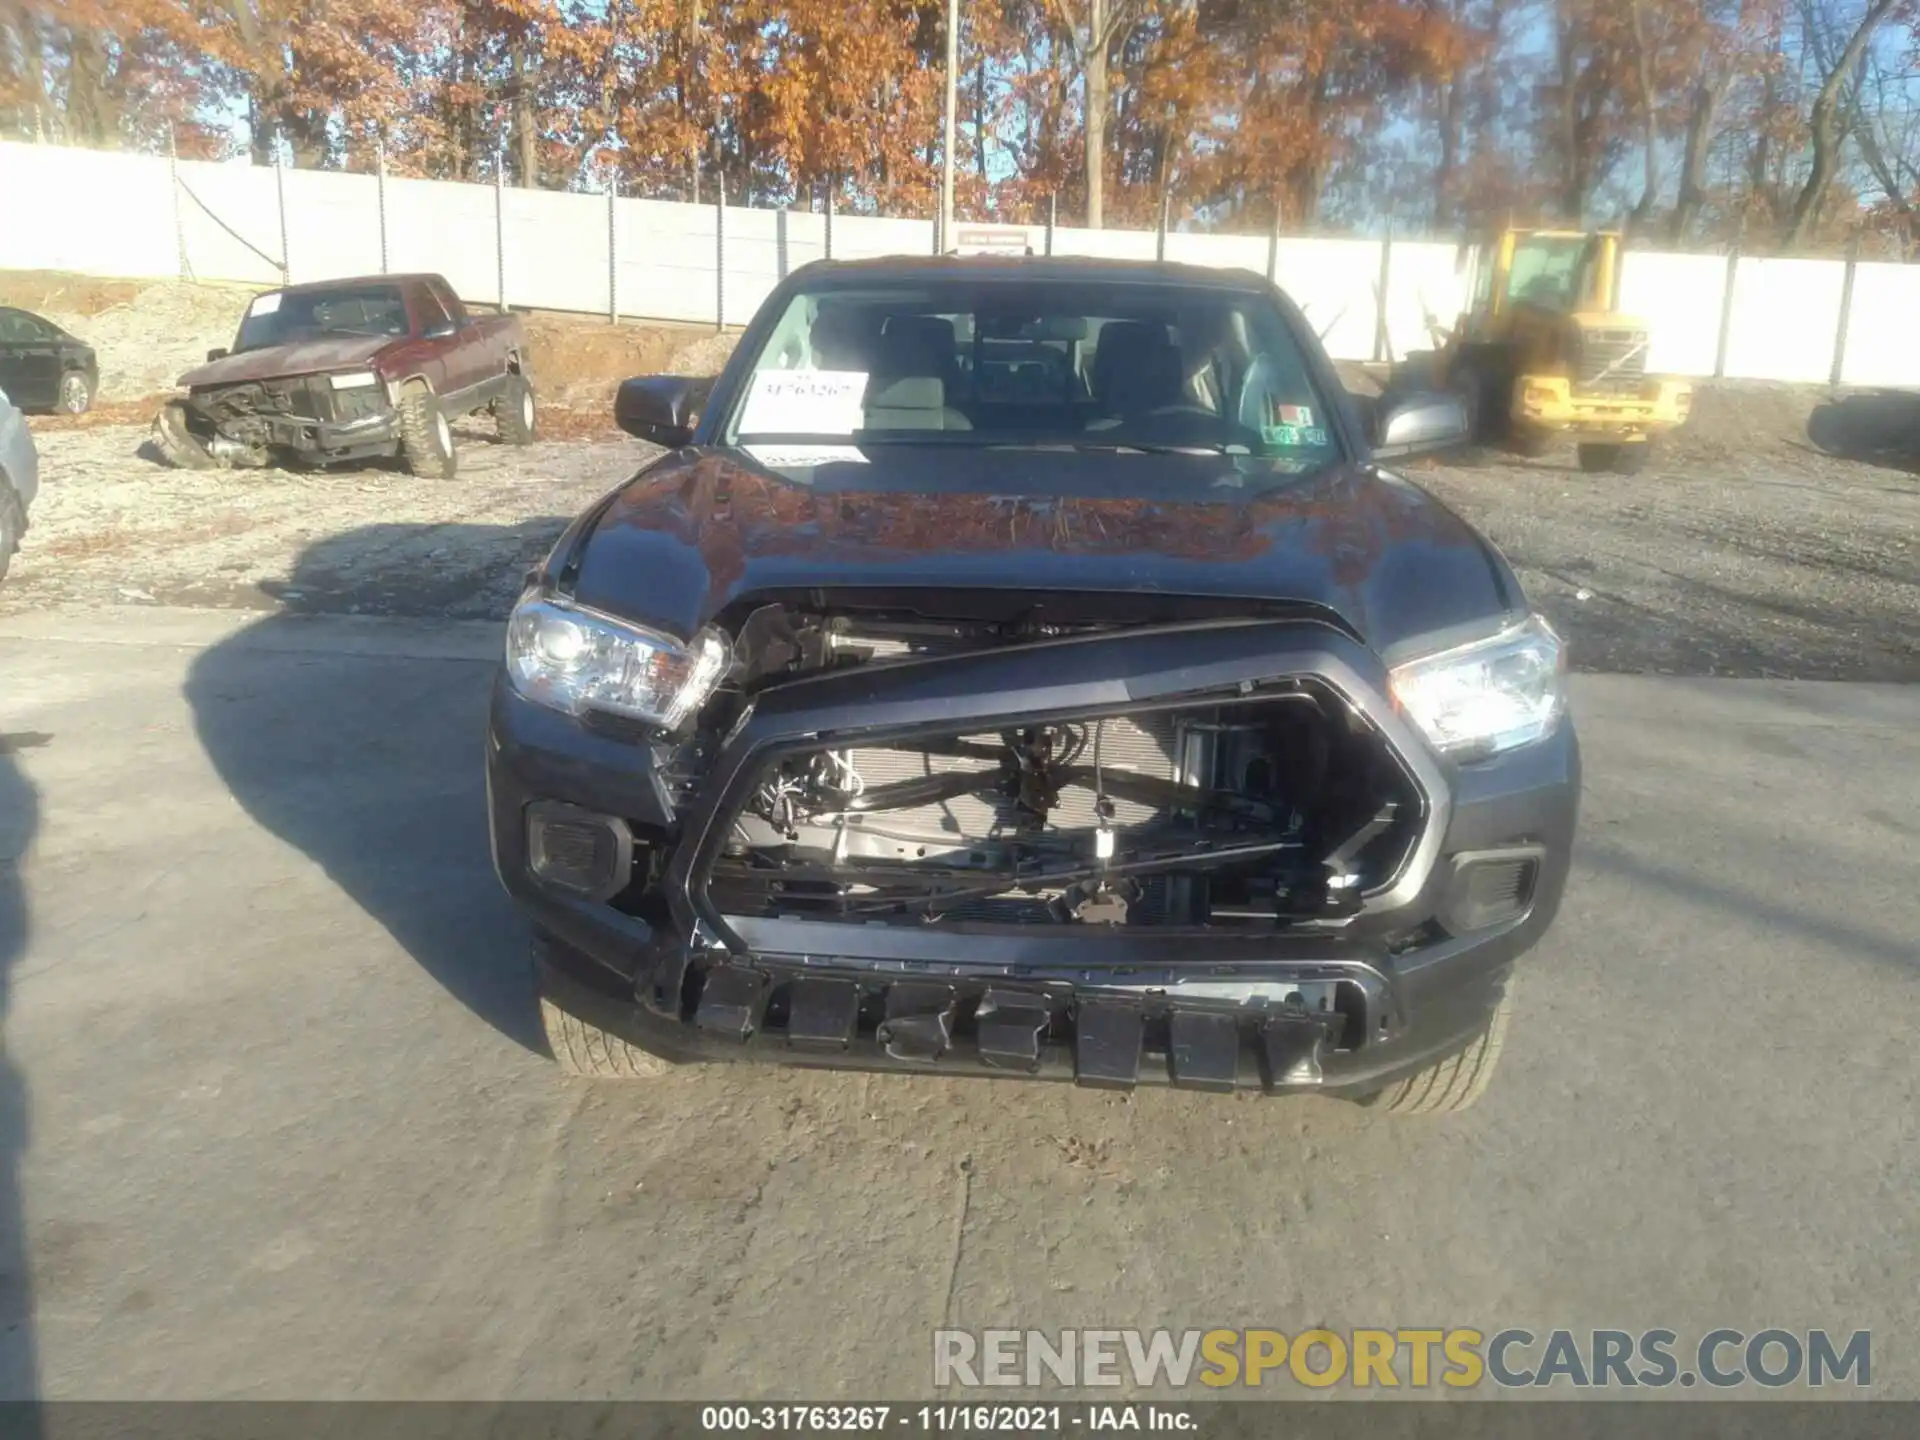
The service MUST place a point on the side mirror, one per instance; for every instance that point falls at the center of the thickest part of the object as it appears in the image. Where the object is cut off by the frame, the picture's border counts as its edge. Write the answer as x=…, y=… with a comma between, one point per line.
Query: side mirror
x=661, y=408
x=219, y=352
x=445, y=330
x=1417, y=424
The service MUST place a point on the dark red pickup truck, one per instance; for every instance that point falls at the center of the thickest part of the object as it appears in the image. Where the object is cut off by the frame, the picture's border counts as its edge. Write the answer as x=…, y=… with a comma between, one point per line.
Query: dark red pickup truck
x=350, y=370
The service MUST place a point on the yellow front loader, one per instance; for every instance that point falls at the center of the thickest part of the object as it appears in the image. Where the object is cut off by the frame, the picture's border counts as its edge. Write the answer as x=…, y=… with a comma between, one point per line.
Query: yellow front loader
x=1542, y=352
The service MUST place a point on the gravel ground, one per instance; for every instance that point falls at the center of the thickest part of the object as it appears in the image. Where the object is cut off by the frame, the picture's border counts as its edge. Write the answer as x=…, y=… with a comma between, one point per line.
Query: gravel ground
x=113, y=526
x=1744, y=551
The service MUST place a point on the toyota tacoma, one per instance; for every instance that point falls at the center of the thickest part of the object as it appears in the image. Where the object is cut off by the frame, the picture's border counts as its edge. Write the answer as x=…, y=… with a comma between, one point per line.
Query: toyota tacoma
x=346, y=370
x=1022, y=667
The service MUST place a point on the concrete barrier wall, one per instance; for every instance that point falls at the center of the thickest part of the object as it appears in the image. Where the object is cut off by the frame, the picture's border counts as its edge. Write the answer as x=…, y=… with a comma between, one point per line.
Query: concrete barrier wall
x=142, y=216
x=1881, y=349
x=1680, y=296
x=1784, y=319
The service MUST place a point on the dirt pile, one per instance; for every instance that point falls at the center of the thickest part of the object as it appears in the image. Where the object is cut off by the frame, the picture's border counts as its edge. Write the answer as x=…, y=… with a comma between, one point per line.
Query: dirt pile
x=579, y=362
x=145, y=335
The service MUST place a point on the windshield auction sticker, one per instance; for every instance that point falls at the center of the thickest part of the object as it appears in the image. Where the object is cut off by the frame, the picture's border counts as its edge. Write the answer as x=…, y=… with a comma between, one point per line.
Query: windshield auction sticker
x=804, y=402
x=805, y=457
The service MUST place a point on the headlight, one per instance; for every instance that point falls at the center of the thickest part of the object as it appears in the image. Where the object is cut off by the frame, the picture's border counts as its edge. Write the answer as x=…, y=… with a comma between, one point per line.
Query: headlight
x=574, y=659
x=354, y=380
x=1492, y=695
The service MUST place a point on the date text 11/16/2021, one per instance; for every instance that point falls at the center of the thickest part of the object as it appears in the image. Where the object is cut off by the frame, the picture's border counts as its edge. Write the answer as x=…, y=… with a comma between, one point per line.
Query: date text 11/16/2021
x=947, y=1419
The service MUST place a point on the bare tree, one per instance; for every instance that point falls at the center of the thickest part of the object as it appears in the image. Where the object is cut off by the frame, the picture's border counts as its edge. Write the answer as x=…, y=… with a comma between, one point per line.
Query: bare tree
x=1827, y=117
x=1649, y=104
x=1089, y=29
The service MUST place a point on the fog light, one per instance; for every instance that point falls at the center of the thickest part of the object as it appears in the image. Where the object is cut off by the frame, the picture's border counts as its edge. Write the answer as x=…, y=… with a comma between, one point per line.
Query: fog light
x=577, y=850
x=1490, y=887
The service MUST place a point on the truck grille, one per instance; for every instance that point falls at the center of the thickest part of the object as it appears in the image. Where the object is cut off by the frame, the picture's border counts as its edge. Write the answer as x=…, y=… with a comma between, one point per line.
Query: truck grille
x=257, y=399
x=1611, y=360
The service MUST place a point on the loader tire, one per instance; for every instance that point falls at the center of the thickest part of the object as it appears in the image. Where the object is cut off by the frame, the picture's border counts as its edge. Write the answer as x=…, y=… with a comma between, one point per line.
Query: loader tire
x=178, y=445
x=1456, y=1083
x=1624, y=458
x=426, y=436
x=1528, y=443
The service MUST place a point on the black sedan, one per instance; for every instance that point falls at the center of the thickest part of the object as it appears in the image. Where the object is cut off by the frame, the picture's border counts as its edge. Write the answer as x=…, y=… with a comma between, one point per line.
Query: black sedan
x=42, y=367
x=1029, y=668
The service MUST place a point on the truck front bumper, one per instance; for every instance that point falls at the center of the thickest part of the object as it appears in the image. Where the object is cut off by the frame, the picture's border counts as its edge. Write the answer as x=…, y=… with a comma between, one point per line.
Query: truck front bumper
x=1344, y=1008
x=1548, y=402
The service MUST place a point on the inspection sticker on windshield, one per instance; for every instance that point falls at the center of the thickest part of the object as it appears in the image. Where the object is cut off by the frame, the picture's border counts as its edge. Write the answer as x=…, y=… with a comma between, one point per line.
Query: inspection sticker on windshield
x=1284, y=435
x=804, y=402
x=1295, y=415
x=265, y=304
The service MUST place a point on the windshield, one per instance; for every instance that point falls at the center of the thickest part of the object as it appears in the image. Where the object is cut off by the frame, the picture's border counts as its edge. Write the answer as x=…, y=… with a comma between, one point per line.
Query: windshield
x=284, y=315
x=1548, y=271
x=1147, y=367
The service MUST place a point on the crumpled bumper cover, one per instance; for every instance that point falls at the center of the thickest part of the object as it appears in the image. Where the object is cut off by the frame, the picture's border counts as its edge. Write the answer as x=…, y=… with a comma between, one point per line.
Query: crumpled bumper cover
x=1344, y=1009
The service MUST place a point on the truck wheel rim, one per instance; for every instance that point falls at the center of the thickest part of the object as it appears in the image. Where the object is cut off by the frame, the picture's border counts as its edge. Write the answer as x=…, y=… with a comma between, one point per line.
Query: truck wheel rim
x=73, y=394
x=444, y=433
x=526, y=408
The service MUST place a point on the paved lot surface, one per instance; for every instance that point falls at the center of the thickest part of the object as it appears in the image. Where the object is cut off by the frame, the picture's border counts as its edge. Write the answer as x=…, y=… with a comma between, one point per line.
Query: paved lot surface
x=273, y=1123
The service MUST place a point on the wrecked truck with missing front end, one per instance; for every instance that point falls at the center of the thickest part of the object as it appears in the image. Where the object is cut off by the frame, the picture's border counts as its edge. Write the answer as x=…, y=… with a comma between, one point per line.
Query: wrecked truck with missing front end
x=1024, y=670
x=350, y=370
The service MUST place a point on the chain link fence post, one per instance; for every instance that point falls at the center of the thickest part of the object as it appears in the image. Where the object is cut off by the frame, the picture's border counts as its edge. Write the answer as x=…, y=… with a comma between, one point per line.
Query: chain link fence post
x=829, y=225
x=1382, y=338
x=500, y=229
x=613, y=246
x=1273, y=247
x=179, y=221
x=720, y=251
x=280, y=198
x=1839, y=366
x=380, y=195
x=1053, y=219
x=1726, y=313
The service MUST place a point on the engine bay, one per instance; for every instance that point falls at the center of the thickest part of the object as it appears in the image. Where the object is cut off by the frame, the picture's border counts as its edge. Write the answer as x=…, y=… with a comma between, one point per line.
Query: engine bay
x=1239, y=810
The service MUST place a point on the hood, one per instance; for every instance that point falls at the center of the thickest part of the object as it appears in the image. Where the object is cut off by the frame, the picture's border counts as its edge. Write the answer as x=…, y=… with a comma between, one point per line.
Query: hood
x=702, y=529
x=296, y=357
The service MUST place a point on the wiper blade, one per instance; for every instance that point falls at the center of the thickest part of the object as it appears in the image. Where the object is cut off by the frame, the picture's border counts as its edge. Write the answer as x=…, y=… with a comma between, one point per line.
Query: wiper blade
x=1122, y=448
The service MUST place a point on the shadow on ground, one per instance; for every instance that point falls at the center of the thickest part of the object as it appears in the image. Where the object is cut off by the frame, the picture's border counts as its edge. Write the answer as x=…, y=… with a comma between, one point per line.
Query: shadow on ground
x=19, y=818
x=1881, y=427
x=366, y=756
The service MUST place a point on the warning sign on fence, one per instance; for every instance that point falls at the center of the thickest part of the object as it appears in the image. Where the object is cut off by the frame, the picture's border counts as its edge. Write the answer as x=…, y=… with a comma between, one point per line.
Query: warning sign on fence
x=992, y=240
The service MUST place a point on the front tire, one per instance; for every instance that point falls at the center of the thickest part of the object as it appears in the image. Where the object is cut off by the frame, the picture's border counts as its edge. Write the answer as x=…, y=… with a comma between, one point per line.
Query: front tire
x=76, y=395
x=178, y=445
x=515, y=412
x=582, y=1048
x=1456, y=1083
x=426, y=436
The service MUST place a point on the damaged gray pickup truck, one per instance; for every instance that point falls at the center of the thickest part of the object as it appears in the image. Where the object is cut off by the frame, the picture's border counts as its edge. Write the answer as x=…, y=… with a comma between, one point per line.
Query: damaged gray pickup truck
x=1029, y=668
x=348, y=370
